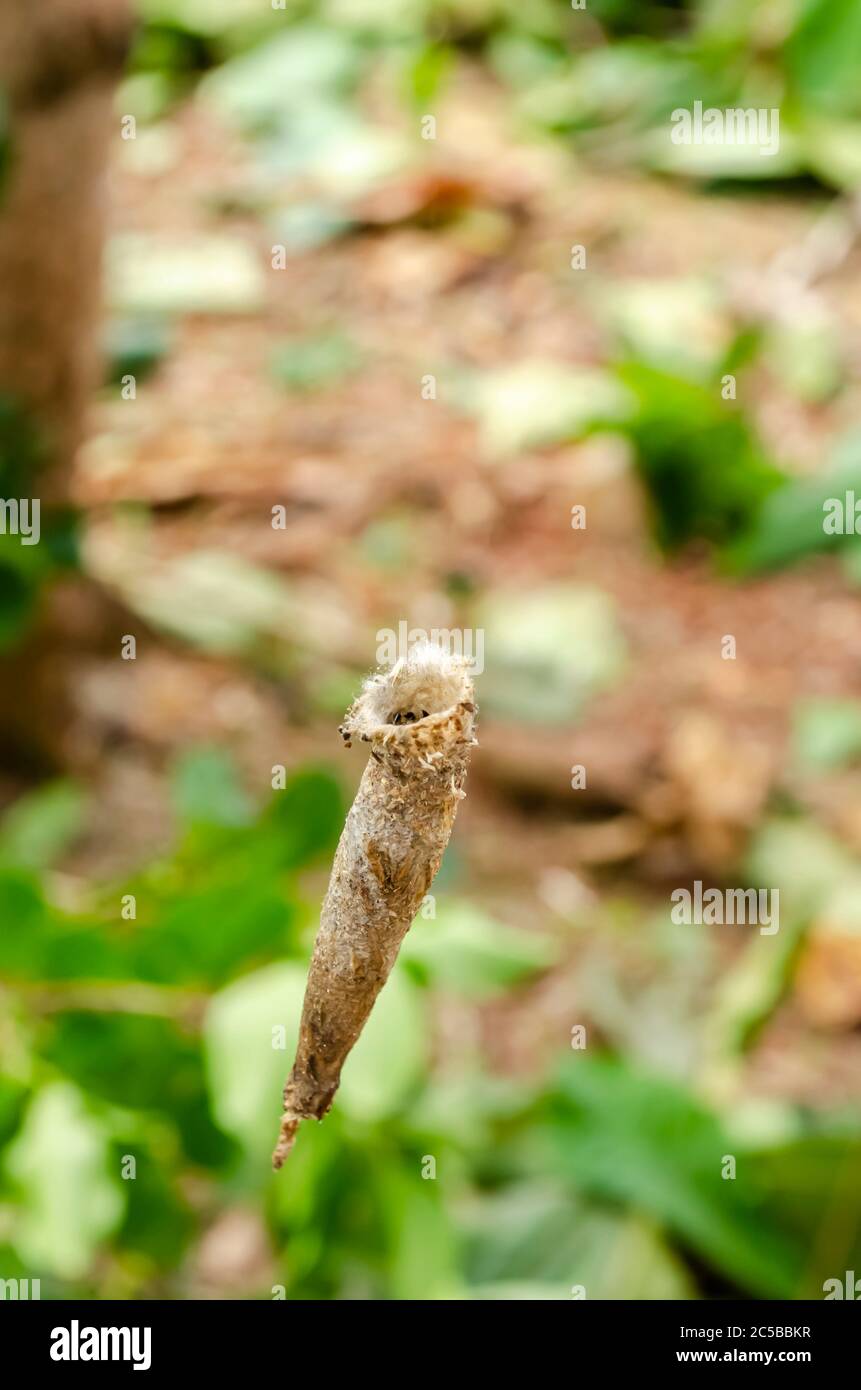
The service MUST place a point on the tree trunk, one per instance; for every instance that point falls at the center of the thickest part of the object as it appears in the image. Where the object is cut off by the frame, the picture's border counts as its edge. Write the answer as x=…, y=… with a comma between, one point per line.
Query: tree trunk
x=59, y=62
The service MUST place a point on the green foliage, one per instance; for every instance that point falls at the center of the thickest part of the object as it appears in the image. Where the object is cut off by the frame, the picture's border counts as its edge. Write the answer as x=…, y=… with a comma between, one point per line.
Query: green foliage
x=643, y=1141
x=790, y=526
x=223, y=900
x=535, y=1240
x=102, y=1053
x=747, y=995
x=244, y=1067
x=166, y=1039
x=207, y=791
x=697, y=455
x=40, y=826
x=426, y=73
x=537, y=402
x=307, y=71
x=151, y=278
x=802, y=860
x=823, y=55
x=291, y=77
x=58, y=1163
x=466, y=951
x=827, y=734
x=135, y=347
x=158, y=1223
x=550, y=650
x=118, y=1066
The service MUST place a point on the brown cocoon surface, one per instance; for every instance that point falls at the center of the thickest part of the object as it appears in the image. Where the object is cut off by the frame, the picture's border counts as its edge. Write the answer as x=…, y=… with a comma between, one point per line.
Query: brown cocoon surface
x=418, y=720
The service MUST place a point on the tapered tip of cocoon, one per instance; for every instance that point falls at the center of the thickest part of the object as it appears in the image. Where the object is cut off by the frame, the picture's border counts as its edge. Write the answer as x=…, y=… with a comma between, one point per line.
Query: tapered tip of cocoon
x=425, y=697
x=286, y=1138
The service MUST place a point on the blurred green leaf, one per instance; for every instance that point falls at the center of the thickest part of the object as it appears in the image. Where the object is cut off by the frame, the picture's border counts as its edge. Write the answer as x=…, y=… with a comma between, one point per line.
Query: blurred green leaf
x=534, y=403
x=790, y=525
x=467, y=951
x=303, y=226
x=389, y=542
x=801, y=859
x=100, y=1052
x=139, y=1062
x=39, y=826
x=247, y=1057
x=389, y=1058
x=158, y=1223
x=526, y=62
x=26, y=568
x=833, y=150
x=823, y=55
x=426, y=73
x=13, y=1094
x=852, y=562
x=636, y=1138
x=539, y=1236
x=697, y=456
x=207, y=789
x=221, y=902
x=248, y=1065
x=549, y=651
x=206, y=933
x=19, y=596
x=812, y=1188
x=423, y=1261
x=671, y=322
x=59, y=1161
x=467, y=1106
x=304, y=819
x=26, y=923
x=805, y=355
x=213, y=274
x=827, y=733
x=135, y=347
x=304, y=67
x=746, y=995
x=204, y=17
x=644, y=1141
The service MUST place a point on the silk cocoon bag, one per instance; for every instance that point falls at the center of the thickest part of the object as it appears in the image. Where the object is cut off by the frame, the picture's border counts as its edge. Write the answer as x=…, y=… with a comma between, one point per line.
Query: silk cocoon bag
x=418, y=719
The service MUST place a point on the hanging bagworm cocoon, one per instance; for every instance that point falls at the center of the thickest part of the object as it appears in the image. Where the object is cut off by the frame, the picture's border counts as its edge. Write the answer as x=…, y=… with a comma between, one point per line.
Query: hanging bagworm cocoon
x=418, y=719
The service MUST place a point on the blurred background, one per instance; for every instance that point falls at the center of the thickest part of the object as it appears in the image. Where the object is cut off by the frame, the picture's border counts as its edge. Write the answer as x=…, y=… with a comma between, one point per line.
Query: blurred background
x=389, y=293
